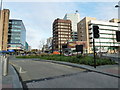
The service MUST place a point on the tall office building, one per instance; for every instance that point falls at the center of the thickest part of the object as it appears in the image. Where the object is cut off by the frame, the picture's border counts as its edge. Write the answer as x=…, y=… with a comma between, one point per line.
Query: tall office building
x=4, y=21
x=61, y=33
x=75, y=18
x=16, y=35
x=107, y=32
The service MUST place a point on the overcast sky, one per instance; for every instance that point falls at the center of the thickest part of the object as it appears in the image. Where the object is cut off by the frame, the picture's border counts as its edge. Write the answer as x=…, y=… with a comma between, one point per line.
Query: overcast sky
x=39, y=16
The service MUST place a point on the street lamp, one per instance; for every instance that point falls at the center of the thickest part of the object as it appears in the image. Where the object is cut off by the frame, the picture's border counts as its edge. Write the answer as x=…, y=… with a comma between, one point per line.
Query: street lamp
x=0, y=8
x=0, y=14
x=116, y=6
x=1, y=5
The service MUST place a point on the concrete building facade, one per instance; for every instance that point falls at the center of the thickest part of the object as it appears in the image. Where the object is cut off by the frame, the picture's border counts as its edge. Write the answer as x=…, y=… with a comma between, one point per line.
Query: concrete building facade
x=4, y=22
x=83, y=34
x=107, y=40
x=114, y=20
x=107, y=32
x=61, y=33
x=75, y=18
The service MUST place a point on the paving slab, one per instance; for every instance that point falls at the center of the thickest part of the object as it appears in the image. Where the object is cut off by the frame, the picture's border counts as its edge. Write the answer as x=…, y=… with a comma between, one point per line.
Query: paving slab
x=12, y=80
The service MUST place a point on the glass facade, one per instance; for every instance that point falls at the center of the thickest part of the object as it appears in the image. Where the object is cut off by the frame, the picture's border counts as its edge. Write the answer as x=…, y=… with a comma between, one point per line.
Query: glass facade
x=16, y=34
x=26, y=46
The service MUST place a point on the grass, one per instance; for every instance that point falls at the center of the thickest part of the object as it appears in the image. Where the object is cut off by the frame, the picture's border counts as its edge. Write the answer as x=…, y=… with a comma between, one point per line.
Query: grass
x=87, y=60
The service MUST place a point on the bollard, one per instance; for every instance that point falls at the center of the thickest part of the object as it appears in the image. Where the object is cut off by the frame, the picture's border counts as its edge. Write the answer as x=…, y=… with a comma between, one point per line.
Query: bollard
x=5, y=66
x=0, y=72
x=0, y=59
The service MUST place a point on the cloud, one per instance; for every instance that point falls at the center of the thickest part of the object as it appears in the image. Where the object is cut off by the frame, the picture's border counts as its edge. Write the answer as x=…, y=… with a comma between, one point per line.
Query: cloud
x=39, y=16
x=61, y=1
x=34, y=38
x=106, y=11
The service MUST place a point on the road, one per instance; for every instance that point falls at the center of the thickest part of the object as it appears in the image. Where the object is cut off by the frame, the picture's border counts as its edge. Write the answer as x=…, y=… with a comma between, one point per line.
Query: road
x=39, y=74
x=115, y=57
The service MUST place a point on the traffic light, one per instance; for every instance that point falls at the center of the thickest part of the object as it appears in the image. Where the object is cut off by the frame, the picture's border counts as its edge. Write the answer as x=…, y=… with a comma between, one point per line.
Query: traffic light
x=96, y=32
x=118, y=36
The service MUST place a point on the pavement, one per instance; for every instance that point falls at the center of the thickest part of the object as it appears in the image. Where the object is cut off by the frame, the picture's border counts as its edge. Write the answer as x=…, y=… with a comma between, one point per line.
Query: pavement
x=12, y=80
x=0, y=75
x=115, y=57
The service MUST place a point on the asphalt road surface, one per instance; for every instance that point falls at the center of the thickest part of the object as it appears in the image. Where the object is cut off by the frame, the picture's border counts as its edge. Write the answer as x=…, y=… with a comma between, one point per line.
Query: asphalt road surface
x=39, y=74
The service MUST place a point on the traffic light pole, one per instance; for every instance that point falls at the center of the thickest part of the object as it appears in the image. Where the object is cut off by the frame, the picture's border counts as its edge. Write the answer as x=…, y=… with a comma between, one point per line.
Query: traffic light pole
x=95, y=35
x=94, y=53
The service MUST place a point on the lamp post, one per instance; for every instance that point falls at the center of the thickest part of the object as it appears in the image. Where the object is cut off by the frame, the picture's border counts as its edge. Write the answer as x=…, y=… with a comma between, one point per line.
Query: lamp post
x=59, y=42
x=1, y=5
x=0, y=16
x=0, y=9
x=118, y=6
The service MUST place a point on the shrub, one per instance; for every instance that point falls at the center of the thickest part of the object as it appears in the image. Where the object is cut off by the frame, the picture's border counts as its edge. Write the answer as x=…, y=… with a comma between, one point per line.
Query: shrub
x=87, y=60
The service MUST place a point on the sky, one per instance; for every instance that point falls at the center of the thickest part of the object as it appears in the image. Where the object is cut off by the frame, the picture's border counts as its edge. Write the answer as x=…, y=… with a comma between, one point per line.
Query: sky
x=39, y=16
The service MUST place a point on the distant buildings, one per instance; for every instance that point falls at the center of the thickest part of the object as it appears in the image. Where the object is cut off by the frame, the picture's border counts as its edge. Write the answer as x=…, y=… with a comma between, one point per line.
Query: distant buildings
x=48, y=46
x=16, y=35
x=49, y=43
x=75, y=18
x=45, y=48
x=27, y=47
x=83, y=30
x=107, y=31
x=4, y=21
x=61, y=33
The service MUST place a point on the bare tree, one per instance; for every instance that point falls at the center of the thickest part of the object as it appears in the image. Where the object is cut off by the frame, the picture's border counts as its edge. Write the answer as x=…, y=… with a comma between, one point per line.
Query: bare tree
x=41, y=44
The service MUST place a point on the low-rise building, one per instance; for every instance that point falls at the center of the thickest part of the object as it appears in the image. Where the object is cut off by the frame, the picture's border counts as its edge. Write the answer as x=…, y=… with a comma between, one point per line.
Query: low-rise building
x=72, y=45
